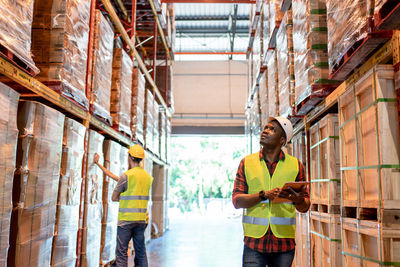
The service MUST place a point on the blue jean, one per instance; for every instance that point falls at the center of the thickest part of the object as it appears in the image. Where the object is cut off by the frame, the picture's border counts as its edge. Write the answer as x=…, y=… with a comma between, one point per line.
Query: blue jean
x=253, y=258
x=124, y=234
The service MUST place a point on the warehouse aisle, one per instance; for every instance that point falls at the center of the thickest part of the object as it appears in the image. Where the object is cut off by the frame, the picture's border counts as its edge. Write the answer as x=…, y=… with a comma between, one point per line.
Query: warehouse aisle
x=198, y=241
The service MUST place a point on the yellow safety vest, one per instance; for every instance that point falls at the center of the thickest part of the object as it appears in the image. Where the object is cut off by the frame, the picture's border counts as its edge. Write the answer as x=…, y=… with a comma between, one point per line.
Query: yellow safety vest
x=133, y=202
x=280, y=216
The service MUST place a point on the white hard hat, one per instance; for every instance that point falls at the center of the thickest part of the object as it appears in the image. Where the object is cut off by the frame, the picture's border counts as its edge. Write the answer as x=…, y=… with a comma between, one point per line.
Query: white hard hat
x=286, y=126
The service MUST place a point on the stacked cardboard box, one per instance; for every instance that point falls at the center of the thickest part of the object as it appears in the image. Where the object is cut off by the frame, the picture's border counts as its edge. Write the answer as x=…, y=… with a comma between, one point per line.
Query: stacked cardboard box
x=272, y=81
x=93, y=206
x=15, y=29
x=255, y=123
x=69, y=192
x=159, y=198
x=59, y=44
x=138, y=101
x=149, y=121
x=370, y=155
x=169, y=132
x=263, y=96
x=348, y=22
x=265, y=38
x=257, y=53
x=121, y=90
x=102, y=66
x=113, y=162
x=163, y=134
x=8, y=146
x=310, y=39
x=156, y=129
x=164, y=84
x=148, y=167
x=275, y=16
x=285, y=61
x=35, y=184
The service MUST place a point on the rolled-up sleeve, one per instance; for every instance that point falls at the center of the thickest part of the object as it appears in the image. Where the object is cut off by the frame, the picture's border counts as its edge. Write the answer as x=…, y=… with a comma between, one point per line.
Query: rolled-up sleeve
x=240, y=185
x=121, y=187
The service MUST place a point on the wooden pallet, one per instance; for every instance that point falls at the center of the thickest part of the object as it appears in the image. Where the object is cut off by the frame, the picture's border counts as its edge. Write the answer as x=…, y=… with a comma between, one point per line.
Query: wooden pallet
x=325, y=240
x=358, y=53
x=388, y=17
x=122, y=130
x=325, y=163
x=325, y=208
x=16, y=60
x=318, y=93
x=302, y=254
x=368, y=243
x=370, y=141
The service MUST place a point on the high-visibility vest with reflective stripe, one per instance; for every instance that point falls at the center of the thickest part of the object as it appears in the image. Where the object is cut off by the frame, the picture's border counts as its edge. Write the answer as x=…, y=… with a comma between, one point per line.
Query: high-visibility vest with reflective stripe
x=133, y=202
x=281, y=217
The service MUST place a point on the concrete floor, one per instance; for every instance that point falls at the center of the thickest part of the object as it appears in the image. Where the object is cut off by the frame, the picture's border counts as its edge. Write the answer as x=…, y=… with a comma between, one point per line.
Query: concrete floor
x=198, y=241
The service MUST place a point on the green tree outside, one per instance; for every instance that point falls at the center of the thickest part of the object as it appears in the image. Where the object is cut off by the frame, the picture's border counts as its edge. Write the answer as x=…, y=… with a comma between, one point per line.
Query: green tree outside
x=203, y=167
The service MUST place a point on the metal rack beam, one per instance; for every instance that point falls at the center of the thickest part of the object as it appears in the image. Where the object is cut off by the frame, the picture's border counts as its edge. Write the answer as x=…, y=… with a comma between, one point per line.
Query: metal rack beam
x=127, y=39
x=160, y=30
x=211, y=1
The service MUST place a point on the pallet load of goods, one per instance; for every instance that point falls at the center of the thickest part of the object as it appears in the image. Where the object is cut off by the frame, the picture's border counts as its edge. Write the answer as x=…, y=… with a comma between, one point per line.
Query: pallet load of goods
x=70, y=90
x=338, y=79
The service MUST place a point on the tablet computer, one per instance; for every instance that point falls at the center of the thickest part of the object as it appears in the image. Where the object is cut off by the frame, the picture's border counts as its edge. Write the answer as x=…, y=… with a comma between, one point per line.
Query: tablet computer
x=296, y=186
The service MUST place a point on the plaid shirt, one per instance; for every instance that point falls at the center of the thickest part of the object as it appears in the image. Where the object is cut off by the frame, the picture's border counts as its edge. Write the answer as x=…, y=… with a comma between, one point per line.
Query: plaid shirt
x=268, y=243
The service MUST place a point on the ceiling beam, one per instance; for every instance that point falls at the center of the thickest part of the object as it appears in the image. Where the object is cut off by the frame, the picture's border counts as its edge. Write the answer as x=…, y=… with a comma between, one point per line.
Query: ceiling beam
x=209, y=53
x=211, y=1
x=208, y=18
x=204, y=30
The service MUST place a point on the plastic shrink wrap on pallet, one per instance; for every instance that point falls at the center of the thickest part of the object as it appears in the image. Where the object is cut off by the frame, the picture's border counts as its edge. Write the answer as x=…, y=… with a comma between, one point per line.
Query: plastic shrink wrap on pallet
x=15, y=29
x=348, y=22
x=284, y=61
x=115, y=160
x=163, y=134
x=310, y=39
x=275, y=15
x=121, y=90
x=265, y=28
x=69, y=192
x=8, y=149
x=164, y=82
x=272, y=82
x=255, y=124
x=169, y=132
x=102, y=66
x=60, y=38
x=156, y=129
x=149, y=121
x=35, y=186
x=263, y=96
x=91, y=231
x=138, y=101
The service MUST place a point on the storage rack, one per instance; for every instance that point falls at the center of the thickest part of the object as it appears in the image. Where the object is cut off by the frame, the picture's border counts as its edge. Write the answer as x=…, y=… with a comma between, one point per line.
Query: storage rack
x=388, y=53
x=124, y=22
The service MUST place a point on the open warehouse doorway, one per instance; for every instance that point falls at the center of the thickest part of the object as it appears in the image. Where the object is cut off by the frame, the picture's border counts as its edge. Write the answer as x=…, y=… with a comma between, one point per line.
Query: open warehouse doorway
x=203, y=226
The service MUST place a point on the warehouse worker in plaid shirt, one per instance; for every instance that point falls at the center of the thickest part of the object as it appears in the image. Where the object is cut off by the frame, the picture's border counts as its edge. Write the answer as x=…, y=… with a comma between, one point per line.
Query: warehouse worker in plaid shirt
x=269, y=228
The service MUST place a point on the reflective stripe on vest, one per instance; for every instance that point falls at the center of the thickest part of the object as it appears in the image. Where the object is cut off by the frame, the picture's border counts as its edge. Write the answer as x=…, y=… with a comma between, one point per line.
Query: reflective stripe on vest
x=255, y=220
x=133, y=202
x=281, y=217
x=134, y=198
x=133, y=210
x=273, y=220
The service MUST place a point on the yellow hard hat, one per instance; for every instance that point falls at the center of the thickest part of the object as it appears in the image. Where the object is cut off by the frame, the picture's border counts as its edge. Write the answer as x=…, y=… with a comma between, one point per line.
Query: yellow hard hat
x=136, y=151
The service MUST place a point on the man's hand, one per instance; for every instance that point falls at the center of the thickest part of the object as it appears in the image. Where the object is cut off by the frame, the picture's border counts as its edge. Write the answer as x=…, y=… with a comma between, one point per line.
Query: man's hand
x=296, y=197
x=272, y=193
x=96, y=158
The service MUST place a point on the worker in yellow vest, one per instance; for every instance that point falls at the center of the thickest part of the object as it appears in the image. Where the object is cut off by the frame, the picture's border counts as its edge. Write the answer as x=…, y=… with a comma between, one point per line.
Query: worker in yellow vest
x=132, y=192
x=269, y=225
